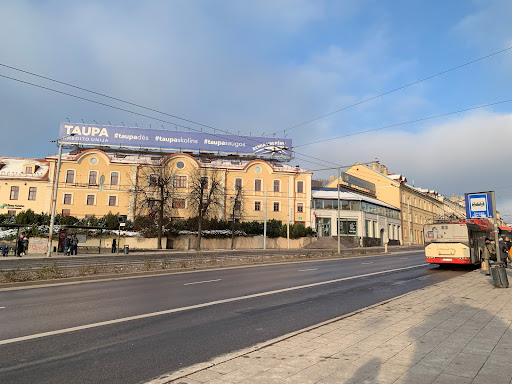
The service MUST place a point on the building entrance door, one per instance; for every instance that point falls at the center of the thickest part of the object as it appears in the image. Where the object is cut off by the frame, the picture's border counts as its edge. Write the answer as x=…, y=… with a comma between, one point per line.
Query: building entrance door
x=323, y=227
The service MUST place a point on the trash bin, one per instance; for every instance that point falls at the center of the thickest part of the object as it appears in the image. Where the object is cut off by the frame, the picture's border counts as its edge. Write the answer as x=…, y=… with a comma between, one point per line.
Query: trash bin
x=499, y=275
x=126, y=249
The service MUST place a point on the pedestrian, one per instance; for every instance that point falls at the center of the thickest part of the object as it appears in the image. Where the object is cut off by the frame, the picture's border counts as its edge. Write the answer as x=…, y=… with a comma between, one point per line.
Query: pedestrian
x=114, y=246
x=74, y=245
x=488, y=253
x=504, y=248
x=5, y=250
x=67, y=245
x=19, y=246
x=25, y=245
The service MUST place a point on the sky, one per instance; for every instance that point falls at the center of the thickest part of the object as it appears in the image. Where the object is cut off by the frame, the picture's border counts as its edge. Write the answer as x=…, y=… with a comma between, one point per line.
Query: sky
x=267, y=68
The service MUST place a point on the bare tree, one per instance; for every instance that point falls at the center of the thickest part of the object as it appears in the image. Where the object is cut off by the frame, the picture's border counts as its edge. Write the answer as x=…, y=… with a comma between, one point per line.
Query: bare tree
x=205, y=196
x=236, y=210
x=154, y=191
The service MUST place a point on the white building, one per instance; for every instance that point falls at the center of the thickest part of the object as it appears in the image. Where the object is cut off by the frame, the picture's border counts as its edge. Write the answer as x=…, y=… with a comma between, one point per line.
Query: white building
x=364, y=221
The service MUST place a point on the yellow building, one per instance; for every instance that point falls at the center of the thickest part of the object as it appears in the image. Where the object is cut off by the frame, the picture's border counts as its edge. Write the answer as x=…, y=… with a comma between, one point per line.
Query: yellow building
x=94, y=183
x=416, y=206
x=288, y=188
x=23, y=185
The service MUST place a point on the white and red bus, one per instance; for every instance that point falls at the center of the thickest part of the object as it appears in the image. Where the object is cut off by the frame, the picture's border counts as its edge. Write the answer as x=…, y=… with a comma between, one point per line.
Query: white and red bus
x=456, y=241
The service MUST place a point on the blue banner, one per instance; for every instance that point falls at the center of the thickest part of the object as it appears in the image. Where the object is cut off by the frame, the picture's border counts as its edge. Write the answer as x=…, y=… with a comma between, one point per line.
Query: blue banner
x=139, y=138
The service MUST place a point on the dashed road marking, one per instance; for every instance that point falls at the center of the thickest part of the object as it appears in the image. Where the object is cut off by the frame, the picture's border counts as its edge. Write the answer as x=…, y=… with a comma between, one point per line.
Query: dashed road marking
x=202, y=282
x=309, y=269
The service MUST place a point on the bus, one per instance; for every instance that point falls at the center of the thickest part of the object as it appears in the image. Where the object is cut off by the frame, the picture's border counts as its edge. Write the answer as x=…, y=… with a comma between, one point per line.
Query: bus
x=456, y=241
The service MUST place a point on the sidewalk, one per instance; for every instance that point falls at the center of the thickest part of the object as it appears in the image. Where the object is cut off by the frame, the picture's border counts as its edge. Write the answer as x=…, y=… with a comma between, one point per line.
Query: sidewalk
x=457, y=331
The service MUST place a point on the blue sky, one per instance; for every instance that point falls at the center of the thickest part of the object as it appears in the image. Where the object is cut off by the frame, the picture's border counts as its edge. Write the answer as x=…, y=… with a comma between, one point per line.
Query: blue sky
x=261, y=67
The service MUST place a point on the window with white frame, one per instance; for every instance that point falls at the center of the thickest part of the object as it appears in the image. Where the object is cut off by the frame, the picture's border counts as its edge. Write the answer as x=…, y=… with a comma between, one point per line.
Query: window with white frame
x=70, y=176
x=32, y=193
x=93, y=177
x=91, y=200
x=112, y=201
x=114, y=178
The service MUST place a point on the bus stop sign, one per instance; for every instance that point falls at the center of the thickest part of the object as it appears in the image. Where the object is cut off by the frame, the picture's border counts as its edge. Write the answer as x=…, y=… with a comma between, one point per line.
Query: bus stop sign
x=479, y=205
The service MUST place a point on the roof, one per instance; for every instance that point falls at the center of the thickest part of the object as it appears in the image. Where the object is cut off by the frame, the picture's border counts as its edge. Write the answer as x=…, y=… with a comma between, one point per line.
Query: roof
x=332, y=194
x=12, y=168
x=219, y=163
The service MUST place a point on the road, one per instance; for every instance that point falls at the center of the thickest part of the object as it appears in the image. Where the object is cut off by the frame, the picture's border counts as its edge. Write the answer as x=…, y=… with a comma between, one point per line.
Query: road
x=137, y=328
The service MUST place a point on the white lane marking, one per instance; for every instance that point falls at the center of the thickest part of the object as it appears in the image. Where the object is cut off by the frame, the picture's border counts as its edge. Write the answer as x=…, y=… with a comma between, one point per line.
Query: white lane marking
x=368, y=262
x=404, y=258
x=196, y=306
x=309, y=269
x=201, y=282
x=2, y=307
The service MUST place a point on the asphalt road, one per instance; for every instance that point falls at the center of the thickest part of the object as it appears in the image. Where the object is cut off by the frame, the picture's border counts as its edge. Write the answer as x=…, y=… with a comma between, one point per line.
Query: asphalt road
x=183, y=319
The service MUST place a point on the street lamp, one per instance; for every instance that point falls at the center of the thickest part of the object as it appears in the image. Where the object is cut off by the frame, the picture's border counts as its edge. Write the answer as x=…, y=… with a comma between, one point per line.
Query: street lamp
x=54, y=198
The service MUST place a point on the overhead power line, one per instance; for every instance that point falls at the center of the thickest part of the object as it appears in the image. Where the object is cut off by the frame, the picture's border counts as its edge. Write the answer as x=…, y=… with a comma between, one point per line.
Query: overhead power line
x=395, y=90
x=113, y=98
x=404, y=123
x=141, y=114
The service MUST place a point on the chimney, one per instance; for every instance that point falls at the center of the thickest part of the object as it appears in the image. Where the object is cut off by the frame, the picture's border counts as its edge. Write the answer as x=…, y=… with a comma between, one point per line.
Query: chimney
x=331, y=178
x=384, y=170
x=376, y=166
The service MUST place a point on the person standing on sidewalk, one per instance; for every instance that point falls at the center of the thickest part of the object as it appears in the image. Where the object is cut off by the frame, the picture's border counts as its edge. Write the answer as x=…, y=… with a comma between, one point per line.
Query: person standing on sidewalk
x=67, y=245
x=74, y=245
x=114, y=246
x=488, y=253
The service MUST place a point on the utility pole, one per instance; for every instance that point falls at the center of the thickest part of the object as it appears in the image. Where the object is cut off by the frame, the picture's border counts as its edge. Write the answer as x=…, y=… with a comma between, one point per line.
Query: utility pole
x=265, y=222
x=54, y=198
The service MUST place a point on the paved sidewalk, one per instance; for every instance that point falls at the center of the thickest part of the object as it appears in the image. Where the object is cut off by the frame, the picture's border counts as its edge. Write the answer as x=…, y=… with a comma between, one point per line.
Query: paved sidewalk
x=457, y=331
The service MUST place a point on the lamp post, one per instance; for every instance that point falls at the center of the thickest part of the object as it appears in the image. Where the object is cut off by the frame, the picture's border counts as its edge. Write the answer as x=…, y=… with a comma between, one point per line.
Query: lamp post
x=54, y=198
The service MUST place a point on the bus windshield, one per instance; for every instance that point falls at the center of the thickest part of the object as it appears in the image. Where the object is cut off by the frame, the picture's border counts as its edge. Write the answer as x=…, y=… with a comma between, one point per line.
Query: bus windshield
x=446, y=233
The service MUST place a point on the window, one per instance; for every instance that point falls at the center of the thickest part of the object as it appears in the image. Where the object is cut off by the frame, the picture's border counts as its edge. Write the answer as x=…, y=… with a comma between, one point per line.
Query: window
x=112, y=201
x=28, y=169
x=90, y=199
x=87, y=215
x=300, y=207
x=14, y=193
x=32, y=193
x=66, y=212
x=93, y=177
x=257, y=185
x=67, y=199
x=257, y=205
x=300, y=187
x=238, y=184
x=276, y=207
x=114, y=178
x=204, y=182
x=179, y=182
x=348, y=227
x=180, y=164
x=238, y=205
x=11, y=213
x=276, y=185
x=153, y=180
x=70, y=176
x=178, y=203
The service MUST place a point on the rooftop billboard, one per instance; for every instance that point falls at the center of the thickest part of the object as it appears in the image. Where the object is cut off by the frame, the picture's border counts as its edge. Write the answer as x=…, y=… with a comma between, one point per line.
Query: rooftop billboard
x=139, y=138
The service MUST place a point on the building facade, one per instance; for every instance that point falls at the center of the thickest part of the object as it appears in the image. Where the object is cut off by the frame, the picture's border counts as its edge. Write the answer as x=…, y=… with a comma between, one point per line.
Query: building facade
x=363, y=221
x=23, y=185
x=260, y=188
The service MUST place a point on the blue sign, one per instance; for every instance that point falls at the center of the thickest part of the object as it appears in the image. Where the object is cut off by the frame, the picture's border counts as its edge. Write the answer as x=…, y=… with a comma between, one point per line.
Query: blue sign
x=479, y=205
x=124, y=137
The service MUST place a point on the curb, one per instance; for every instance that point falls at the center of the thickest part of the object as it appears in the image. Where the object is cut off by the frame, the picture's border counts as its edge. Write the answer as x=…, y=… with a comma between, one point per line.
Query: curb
x=176, y=375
